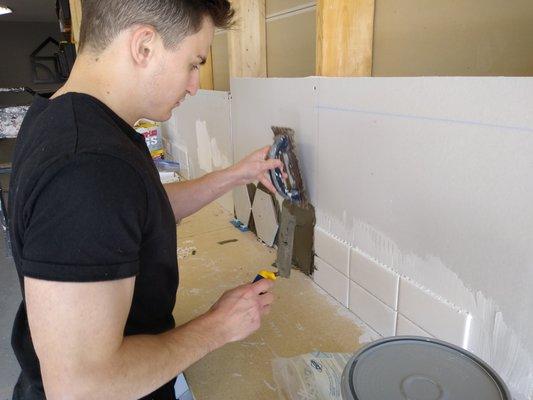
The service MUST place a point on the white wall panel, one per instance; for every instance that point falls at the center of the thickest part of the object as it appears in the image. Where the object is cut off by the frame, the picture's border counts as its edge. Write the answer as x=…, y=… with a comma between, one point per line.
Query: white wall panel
x=258, y=104
x=430, y=177
x=200, y=131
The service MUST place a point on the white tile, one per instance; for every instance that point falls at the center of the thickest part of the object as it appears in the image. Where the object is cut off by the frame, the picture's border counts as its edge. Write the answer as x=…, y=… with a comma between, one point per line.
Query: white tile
x=331, y=280
x=375, y=278
x=407, y=327
x=333, y=251
x=432, y=315
x=265, y=217
x=180, y=155
x=371, y=310
x=243, y=205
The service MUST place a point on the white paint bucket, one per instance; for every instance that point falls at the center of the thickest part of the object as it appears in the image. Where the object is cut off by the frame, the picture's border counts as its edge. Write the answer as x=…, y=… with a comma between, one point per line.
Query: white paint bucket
x=418, y=368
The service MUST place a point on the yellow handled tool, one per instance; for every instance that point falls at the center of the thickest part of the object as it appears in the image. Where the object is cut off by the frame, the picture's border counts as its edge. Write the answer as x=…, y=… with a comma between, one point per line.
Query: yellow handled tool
x=265, y=274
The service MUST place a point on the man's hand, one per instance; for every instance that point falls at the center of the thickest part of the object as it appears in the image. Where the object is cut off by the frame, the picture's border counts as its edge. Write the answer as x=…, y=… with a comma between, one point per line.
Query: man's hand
x=77, y=330
x=255, y=168
x=189, y=196
x=238, y=312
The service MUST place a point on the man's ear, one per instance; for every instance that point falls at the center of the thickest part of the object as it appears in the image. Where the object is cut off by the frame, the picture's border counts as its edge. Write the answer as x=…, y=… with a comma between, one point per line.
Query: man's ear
x=142, y=44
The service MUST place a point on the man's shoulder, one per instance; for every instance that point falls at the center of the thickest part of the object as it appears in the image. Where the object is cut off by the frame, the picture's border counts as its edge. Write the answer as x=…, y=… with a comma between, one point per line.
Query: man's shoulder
x=73, y=124
x=74, y=114
x=53, y=126
x=64, y=138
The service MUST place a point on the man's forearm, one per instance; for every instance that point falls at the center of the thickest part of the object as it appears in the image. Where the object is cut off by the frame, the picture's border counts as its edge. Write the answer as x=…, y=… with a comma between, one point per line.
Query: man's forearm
x=187, y=197
x=142, y=364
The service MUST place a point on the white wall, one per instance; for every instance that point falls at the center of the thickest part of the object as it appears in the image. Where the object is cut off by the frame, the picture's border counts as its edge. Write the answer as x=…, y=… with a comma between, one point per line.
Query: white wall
x=198, y=136
x=423, y=190
x=421, y=184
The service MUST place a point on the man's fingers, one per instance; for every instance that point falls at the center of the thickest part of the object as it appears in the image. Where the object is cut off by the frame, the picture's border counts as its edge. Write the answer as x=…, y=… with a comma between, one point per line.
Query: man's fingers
x=263, y=152
x=262, y=286
x=265, y=180
x=272, y=164
x=266, y=299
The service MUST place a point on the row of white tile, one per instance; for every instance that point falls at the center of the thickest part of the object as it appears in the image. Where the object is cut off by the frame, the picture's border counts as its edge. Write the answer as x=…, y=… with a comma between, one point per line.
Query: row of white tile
x=263, y=210
x=388, y=303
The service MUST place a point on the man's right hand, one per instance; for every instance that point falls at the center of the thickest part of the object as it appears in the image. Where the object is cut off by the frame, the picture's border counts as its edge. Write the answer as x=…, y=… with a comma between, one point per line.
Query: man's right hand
x=238, y=312
x=78, y=333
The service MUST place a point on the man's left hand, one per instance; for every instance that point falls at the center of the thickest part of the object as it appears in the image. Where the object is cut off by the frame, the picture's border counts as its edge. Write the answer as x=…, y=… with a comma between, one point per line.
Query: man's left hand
x=255, y=167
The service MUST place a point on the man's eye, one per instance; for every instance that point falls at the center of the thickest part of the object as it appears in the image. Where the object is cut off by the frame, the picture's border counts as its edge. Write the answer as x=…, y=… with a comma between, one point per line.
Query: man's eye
x=195, y=66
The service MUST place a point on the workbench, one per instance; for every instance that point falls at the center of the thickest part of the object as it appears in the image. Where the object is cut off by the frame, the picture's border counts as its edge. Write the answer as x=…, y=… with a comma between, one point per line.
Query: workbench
x=214, y=257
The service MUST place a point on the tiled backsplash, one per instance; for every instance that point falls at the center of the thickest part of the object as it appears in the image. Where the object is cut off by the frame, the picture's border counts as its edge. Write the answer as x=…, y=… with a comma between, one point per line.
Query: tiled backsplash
x=332, y=251
x=406, y=327
x=373, y=311
x=388, y=303
x=332, y=281
x=440, y=319
x=378, y=280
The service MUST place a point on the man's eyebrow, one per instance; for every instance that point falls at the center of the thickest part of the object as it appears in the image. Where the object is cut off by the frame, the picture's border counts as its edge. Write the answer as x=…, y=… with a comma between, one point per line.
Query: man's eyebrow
x=203, y=60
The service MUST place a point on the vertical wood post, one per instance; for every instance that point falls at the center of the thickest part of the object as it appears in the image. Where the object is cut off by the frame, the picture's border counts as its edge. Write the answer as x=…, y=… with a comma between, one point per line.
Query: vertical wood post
x=345, y=31
x=247, y=40
x=75, y=17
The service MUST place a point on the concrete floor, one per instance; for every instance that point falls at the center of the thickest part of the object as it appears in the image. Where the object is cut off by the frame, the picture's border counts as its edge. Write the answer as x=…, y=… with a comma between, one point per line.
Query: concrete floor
x=9, y=301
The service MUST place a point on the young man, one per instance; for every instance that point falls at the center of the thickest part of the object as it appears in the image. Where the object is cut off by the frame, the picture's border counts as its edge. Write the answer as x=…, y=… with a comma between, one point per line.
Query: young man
x=93, y=229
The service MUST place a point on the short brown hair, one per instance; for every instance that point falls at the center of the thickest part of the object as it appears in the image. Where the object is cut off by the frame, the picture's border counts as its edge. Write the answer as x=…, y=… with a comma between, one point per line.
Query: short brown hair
x=103, y=20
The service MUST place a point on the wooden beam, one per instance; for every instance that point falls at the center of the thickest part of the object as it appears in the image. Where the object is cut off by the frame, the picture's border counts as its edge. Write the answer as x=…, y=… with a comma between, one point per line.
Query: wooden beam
x=345, y=31
x=75, y=18
x=206, y=72
x=247, y=40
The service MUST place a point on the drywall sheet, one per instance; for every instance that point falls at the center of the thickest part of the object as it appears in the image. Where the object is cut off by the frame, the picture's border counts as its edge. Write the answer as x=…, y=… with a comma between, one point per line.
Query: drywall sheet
x=198, y=136
x=434, y=178
x=257, y=104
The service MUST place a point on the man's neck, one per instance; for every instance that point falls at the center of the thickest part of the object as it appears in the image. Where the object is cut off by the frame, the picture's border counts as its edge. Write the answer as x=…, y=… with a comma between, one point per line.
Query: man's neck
x=94, y=77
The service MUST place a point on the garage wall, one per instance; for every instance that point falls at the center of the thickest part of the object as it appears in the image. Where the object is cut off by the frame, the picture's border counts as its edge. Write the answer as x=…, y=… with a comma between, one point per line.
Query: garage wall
x=411, y=38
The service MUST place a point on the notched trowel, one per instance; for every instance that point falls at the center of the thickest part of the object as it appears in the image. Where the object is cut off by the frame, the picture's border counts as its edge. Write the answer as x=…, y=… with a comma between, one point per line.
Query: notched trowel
x=284, y=149
x=297, y=215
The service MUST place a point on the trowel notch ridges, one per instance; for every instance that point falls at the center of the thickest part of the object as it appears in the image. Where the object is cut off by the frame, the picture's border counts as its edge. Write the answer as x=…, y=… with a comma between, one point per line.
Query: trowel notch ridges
x=456, y=329
x=394, y=271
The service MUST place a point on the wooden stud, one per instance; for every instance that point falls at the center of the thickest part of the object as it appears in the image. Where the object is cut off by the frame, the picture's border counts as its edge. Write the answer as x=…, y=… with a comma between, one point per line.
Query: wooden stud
x=75, y=18
x=206, y=73
x=345, y=31
x=247, y=40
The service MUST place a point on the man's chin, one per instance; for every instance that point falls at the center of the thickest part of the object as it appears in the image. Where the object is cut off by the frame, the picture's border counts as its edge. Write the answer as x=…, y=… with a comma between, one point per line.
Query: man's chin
x=160, y=117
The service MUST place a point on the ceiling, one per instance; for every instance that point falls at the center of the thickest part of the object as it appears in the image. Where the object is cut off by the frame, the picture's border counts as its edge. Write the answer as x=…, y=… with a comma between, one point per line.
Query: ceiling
x=29, y=11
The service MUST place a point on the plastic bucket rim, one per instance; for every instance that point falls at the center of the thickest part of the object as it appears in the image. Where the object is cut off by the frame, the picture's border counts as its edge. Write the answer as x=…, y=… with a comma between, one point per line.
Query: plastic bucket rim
x=352, y=363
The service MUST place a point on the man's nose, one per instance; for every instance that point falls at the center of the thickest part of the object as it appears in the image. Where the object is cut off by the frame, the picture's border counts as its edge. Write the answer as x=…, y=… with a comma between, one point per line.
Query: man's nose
x=194, y=84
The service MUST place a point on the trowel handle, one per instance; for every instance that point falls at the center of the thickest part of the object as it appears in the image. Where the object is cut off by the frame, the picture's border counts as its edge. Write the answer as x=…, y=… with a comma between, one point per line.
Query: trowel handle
x=265, y=274
x=276, y=176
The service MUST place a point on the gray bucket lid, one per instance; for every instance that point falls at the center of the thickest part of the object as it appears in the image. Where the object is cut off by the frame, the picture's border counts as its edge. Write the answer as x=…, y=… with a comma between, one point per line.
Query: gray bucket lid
x=418, y=368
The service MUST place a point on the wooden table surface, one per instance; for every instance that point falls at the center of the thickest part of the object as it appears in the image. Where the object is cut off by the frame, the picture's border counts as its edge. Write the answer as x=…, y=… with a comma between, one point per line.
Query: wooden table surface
x=304, y=318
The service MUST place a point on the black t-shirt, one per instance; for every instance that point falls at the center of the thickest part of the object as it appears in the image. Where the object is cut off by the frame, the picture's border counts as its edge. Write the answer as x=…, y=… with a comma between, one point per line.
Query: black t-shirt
x=85, y=205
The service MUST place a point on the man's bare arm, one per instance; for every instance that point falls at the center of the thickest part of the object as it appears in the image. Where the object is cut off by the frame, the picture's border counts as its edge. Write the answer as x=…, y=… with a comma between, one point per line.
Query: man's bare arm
x=188, y=197
x=77, y=330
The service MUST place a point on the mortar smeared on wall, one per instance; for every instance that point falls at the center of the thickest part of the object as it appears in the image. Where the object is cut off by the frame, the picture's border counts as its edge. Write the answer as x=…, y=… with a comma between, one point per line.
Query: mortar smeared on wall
x=490, y=338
